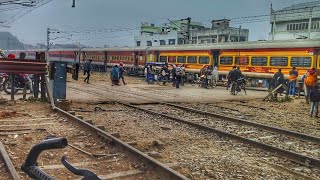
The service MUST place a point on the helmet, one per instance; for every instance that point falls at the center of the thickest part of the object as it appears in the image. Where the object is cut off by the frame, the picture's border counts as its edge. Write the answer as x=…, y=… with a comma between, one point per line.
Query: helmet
x=11, y=56
x=121, y=64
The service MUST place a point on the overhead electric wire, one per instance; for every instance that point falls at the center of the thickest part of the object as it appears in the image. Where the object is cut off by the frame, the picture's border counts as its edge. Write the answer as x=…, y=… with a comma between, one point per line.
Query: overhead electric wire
x=32, y=8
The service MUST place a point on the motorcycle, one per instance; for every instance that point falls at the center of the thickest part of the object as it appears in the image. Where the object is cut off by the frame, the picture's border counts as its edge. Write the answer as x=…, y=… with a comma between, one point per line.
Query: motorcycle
x=21, y=81
x=237, y=85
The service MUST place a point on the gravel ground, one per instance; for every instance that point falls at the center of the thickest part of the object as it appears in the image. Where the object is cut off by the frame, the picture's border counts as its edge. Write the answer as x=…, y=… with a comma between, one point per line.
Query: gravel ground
x=3, y=170
x=196, y=154
x=287, y=115
x=18, y=142
x=257, y=134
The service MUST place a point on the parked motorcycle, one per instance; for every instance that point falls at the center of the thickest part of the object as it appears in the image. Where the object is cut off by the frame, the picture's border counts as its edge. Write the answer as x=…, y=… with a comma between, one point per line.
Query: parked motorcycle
x=21, y=81
x=236, y=86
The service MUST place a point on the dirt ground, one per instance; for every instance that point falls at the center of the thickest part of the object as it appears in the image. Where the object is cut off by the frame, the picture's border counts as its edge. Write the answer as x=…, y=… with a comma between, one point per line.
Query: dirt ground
x=24, y=124
x=188, y=93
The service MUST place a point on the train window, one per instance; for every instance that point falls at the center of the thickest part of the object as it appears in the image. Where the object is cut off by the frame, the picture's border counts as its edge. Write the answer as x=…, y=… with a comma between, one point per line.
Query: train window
x=163, y=59
x=242, y=60
x=278, y=61
x=301, y=62
x=259, y=61
x=181, y=59
x=192, y=59
x=172, y=59
x=204, y=60
x=226, y=60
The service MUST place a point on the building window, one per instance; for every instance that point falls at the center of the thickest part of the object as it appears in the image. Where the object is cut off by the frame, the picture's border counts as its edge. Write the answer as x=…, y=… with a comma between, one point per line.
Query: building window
x=162, y=42
x=226, y=60
x=155, y=41
x=172, y=41
x=181, y=59
x=149, y=43
x=163, y=59
x=242, y=60
x=138, y=43
x=204, y=60
x=192, y=59
x=259, y=61
x=279, y=61
x=301, y=62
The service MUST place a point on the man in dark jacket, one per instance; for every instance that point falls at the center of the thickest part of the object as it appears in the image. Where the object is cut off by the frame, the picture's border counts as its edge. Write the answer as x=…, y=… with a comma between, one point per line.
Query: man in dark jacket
x=87, y=70
x=278, y=79
x=314, y=99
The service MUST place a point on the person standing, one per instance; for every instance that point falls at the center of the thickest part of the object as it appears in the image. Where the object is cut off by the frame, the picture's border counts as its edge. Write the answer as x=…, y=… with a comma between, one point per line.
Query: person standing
x=314, y=99
x=87, y=70
x=183, y=74
x=215, y=75
x=178, y=76
x=293, y=75
x=310, y=81
x=115, y=75
x=121, y=72
x=174, y=75
x=278, y=79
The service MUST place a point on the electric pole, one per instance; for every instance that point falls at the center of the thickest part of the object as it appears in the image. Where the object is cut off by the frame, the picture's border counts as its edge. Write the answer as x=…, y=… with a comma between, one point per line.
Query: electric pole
x=310, y=21
x=48, y=44
x=187, y=37
x=239, y=33
x=188, y=30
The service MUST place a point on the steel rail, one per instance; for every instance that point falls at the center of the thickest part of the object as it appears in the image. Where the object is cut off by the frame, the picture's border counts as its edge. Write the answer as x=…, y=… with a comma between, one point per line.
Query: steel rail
x=301, y=136
x=171, y=174
x=298, y=135
x=10, y=167
x=295, y=157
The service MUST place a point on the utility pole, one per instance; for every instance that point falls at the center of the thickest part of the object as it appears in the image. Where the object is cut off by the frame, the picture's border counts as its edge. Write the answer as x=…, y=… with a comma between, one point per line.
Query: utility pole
x=48, y=44
x=239, y=33
x=188, y=30
x=310, y=21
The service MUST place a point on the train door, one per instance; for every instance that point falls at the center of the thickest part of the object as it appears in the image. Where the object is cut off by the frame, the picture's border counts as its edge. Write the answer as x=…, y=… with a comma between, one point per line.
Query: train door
x=40, y=55
x=136, y=59
x=316, y=55
x=105, y=60
x=156, y=56
x=215, y=57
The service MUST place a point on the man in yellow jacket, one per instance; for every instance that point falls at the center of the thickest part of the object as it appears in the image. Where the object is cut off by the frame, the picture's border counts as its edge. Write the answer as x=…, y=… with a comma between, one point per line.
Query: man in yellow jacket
x=310, y=81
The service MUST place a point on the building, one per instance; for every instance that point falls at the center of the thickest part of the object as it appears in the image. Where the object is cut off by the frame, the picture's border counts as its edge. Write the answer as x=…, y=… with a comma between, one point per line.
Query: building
x=299, y=21
x=186, y=31
x=220, y=32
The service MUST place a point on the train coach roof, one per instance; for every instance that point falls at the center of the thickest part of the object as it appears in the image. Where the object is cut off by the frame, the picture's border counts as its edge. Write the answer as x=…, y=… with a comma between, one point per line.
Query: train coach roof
x=313, y=43
x=115, y=49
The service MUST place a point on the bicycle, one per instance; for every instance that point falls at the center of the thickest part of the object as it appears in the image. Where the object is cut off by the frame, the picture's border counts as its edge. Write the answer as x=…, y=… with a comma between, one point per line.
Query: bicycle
x=33, y=171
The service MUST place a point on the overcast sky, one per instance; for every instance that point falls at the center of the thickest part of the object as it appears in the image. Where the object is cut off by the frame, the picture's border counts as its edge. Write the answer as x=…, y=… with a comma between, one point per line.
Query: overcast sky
x=112, y=14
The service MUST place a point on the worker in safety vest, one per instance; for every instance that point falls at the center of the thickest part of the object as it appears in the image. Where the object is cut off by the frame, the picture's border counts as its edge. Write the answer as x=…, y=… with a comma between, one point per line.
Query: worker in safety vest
x=310, y=81
x=293, y=76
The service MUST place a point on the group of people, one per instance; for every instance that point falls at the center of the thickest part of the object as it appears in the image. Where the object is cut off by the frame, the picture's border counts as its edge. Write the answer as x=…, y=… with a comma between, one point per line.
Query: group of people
x=178, y=75
x=117, y=73
x=207, y=75
x=310, y=86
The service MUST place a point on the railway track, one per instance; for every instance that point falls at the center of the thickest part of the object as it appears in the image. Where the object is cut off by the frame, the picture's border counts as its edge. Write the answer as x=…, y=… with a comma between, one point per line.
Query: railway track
x=297, y=147
x=7, y=170
x=89, y=147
